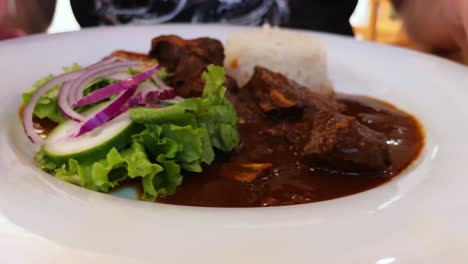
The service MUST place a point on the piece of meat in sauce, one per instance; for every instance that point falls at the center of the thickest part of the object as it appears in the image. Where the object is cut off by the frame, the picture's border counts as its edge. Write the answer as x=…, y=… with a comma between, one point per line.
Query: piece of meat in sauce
x=311, y=122
x=345, y=143
x=186, y=60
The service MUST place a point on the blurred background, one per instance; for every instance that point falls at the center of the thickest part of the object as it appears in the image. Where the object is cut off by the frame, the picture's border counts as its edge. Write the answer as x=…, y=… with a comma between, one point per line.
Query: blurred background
x=33, y=16
x=374, y=20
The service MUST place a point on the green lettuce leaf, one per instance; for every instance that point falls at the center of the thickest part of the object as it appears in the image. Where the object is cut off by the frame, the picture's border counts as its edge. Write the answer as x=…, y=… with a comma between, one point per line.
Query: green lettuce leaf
x=184, y=135
x=213, y=112
x=175, y=148
x=72, y=68
x=107, y=173
x=185, y=144
x=181, y=136
x=47, y=106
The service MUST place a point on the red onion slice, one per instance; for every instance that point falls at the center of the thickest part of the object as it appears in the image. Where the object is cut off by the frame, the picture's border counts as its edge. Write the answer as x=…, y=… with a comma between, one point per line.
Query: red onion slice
x=72, y=97
x=105, y=71
x=64, y=100
x=29, y=109
x=149, y=98
x=73, y=90
x=115, y=108
x=116, y=88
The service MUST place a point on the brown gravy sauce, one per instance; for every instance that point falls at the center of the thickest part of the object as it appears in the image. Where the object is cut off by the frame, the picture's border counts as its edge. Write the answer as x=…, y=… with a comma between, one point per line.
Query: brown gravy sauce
x=287, y=181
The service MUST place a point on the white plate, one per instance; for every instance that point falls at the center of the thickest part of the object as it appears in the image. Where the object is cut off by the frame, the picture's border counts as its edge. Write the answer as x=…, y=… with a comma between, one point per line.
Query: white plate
x=419, y=217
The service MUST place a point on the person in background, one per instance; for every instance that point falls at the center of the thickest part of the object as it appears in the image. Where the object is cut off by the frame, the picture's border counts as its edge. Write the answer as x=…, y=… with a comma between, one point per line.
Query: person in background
x=21, y=17
x=437, y=24
x=325, y=15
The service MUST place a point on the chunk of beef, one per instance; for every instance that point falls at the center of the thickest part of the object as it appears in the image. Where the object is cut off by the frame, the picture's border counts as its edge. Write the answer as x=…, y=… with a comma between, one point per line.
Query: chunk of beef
x=267, y=94
x=186, y=60
x=246, y=108
x=273, y=91
x=342, y=142
x=312, y=123
x=279, y=98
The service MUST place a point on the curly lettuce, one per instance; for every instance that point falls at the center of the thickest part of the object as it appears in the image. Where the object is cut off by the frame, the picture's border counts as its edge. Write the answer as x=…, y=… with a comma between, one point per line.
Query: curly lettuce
x=47, y=106
x=106, y=173
x=180, y=137
x=212, y=112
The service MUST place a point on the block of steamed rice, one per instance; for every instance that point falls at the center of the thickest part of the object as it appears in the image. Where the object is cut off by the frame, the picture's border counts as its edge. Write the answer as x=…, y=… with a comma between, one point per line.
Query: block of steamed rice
x=299, y=56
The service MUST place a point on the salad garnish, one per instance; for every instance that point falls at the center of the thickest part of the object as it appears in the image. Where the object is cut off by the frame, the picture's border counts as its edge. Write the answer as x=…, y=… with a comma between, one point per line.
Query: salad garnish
x=118, y=121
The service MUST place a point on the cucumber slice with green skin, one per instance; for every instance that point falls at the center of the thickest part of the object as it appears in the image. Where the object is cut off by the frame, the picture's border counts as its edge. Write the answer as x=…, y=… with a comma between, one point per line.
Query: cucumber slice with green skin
x=92, y=146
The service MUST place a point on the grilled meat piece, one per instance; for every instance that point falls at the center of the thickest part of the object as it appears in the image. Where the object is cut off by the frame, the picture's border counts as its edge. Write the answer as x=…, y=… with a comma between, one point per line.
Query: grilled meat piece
x=186, y=60
x=342, y=142
x=311, y=122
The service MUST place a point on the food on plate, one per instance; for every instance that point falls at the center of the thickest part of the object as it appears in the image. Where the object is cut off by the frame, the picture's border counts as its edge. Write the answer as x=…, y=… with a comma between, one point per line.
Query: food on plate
x=174, y=124
x=312, y=123
x=186, y=60
x=119, y=122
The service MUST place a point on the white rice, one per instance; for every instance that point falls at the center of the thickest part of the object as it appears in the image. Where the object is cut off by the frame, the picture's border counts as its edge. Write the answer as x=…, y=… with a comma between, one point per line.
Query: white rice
x=299, y=56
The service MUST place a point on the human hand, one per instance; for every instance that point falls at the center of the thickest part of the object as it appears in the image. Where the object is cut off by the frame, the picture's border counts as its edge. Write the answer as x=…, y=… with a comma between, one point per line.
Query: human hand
x=437, y=24
x=460, y=16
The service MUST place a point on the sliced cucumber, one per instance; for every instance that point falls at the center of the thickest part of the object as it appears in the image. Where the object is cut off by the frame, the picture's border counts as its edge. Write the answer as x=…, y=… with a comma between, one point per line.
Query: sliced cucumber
x=91, y=146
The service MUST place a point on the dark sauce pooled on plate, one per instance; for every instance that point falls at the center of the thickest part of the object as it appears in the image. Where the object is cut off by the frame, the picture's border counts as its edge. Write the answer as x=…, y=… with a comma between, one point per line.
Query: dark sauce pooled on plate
x=288, y=181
